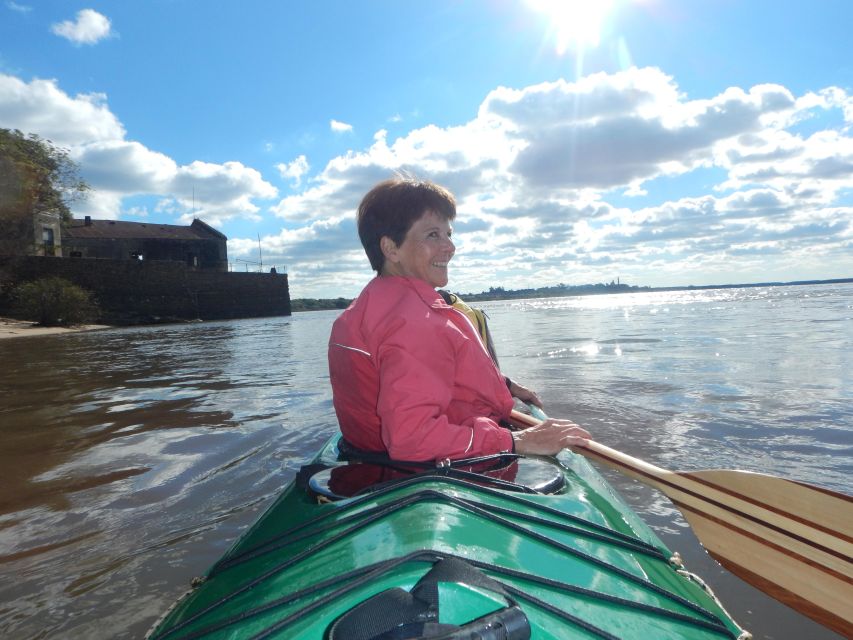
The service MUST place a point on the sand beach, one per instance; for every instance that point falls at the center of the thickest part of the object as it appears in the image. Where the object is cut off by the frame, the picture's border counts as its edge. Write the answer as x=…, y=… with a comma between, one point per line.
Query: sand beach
x=11, y=328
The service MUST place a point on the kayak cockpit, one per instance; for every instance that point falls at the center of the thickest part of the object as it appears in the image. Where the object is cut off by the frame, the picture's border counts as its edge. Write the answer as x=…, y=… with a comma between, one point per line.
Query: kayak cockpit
x=346, y=472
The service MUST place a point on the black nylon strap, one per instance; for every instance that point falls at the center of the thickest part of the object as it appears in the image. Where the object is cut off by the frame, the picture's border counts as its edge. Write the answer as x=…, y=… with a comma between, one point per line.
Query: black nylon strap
x=396, y=614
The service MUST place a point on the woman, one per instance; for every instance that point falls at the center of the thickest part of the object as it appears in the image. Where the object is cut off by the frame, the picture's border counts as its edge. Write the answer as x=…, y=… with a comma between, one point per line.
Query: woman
x=410, y=376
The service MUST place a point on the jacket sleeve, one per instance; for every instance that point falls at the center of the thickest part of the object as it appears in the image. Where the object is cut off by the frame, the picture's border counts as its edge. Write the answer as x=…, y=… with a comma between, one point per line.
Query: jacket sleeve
x=415, y=390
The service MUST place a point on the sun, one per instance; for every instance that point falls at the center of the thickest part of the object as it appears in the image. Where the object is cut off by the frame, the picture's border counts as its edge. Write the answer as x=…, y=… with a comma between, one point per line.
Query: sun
x=575, y=23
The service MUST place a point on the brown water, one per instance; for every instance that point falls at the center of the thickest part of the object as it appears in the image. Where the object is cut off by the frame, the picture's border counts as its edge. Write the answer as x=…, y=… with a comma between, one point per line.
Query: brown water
x=131, y=459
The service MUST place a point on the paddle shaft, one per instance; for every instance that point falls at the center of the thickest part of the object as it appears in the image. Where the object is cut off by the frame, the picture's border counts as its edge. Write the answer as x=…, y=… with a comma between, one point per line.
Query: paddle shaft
x=635, y=467
x=792, y=540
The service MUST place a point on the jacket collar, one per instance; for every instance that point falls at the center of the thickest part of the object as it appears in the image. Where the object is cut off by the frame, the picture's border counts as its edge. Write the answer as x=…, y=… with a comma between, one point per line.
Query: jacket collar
x=424, y=290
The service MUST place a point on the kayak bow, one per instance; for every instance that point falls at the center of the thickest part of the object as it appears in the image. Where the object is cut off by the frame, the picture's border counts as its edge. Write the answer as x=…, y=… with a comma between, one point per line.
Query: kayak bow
x=464, y=550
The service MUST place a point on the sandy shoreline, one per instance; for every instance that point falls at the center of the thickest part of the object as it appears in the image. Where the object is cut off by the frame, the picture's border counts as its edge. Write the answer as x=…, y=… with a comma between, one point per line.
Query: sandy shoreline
x=10, y=328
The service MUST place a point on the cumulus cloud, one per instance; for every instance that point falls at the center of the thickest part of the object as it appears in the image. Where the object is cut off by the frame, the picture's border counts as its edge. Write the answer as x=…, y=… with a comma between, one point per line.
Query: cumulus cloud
x=340, y=127
x=89, y=27
x=117, y=168
x=608, y=131
x=294, y=170
x=42, y=107
x=538, y=171
x=565, y=180
x=324, y=257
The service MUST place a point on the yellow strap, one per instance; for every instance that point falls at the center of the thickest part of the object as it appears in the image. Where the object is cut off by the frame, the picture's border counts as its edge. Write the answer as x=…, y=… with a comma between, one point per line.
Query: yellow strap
x=476, y=317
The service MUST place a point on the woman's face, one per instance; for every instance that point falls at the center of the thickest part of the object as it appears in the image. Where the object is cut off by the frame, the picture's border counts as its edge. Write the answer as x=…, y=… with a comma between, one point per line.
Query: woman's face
x=424, y=252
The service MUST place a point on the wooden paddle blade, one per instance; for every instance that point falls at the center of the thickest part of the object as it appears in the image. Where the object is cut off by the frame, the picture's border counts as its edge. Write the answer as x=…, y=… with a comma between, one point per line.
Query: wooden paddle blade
x=789, y=539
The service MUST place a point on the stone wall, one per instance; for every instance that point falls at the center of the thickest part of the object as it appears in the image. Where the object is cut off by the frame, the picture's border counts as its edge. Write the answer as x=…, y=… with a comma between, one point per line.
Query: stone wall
x=131, y=292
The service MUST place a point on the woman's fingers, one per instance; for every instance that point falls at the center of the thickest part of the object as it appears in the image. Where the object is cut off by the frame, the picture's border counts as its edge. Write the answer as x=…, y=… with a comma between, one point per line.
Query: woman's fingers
x=523, y=393
x=550, y=437
x=568, y=427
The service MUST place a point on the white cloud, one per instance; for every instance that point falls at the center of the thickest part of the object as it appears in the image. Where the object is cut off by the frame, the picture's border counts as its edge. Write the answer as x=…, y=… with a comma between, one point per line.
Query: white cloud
x=117, y=168
x=222, y=191
x=294, y=170
x=340, y=127
x=42, y=107
x=566, y=180
x=608, y=131
x=322, y=256
x=89, y=27
x=125, y=167
x=536, y=173
x=20, y=8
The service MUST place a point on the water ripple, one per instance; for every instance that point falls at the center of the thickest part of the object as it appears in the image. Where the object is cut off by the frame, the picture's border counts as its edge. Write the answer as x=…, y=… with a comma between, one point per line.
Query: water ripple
x=133, y=458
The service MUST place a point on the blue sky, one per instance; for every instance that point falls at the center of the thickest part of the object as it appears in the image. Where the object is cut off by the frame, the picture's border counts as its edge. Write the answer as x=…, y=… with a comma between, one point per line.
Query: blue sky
x=662, y=142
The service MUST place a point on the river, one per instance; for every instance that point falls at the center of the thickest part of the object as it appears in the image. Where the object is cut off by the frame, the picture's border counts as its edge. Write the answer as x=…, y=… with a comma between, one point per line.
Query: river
x=132, y=458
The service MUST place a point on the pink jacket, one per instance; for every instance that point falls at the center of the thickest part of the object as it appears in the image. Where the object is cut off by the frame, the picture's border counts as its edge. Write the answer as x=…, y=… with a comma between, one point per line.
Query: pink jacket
x=410, y=376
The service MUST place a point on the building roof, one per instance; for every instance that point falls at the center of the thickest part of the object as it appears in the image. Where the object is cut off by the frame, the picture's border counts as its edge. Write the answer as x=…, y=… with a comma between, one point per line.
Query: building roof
x=89, y=228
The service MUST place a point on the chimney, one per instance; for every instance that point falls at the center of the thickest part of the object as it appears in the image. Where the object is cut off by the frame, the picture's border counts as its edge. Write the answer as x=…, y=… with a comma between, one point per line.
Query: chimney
x=87, y=221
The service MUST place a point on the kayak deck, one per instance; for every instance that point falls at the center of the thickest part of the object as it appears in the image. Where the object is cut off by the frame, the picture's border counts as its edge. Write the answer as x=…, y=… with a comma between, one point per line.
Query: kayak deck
x=579, y=564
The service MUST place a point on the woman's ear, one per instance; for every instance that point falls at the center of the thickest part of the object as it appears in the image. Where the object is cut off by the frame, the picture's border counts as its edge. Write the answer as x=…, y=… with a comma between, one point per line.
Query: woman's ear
x=389, y=248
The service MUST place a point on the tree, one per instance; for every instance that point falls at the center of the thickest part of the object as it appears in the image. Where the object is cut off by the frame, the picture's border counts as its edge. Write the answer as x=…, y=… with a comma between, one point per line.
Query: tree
x=54, y=302
x=36, y=176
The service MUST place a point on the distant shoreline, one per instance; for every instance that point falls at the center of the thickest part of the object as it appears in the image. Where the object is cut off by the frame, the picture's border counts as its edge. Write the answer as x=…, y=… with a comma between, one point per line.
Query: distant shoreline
x=499, y=293
x=755, y=284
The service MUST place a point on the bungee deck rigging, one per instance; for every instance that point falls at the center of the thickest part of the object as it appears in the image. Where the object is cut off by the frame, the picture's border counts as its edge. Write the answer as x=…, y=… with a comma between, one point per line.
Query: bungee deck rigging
x=588, y=574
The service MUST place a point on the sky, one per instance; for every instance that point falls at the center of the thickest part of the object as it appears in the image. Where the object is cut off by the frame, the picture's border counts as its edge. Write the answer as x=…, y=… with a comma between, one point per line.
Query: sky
x=657, y=142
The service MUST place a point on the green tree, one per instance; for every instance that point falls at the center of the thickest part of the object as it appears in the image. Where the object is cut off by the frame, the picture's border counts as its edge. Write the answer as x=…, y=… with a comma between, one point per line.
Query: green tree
x=35, y=176
x=54, y=302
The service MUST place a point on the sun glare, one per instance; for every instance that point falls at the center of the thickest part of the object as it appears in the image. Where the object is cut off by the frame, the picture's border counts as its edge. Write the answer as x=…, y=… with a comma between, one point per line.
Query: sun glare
x=574, y=23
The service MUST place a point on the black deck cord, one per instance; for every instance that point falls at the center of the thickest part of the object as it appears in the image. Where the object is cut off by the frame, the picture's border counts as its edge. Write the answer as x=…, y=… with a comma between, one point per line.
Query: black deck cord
x=357, y=502
x=627, y=575
x=429, y=493
x=382, y=567
x=273, y=604
x=380, y=511
x=364, y=575
x=714, y=623
x=630, y=545
x=281, y=566
x=422, y=555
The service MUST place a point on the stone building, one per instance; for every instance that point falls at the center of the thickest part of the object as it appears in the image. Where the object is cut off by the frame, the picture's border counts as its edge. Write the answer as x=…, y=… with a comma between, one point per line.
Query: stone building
x=198, y=246
x=142, y=273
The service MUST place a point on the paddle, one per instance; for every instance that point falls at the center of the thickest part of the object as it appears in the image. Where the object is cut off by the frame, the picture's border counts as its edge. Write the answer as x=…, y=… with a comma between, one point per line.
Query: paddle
x=792, y=540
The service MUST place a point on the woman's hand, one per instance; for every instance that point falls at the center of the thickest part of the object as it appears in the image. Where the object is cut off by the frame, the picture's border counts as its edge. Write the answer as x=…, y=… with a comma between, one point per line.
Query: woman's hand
x=524, y=394
x=550, y=437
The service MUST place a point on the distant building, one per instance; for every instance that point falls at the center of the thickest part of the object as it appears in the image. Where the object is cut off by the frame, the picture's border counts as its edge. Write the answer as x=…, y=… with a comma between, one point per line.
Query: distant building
x=198, y=245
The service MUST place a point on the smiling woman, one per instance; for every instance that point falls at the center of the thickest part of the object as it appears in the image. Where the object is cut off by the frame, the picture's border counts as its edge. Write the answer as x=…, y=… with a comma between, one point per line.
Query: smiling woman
x=410, y=376
x=574, y=23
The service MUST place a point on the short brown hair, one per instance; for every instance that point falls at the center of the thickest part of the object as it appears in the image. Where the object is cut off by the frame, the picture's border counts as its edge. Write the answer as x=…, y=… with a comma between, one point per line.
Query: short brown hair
x=393, y=206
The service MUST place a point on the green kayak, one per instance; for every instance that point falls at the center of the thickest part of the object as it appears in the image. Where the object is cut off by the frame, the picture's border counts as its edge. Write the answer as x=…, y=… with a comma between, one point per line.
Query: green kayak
x=504, y=547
